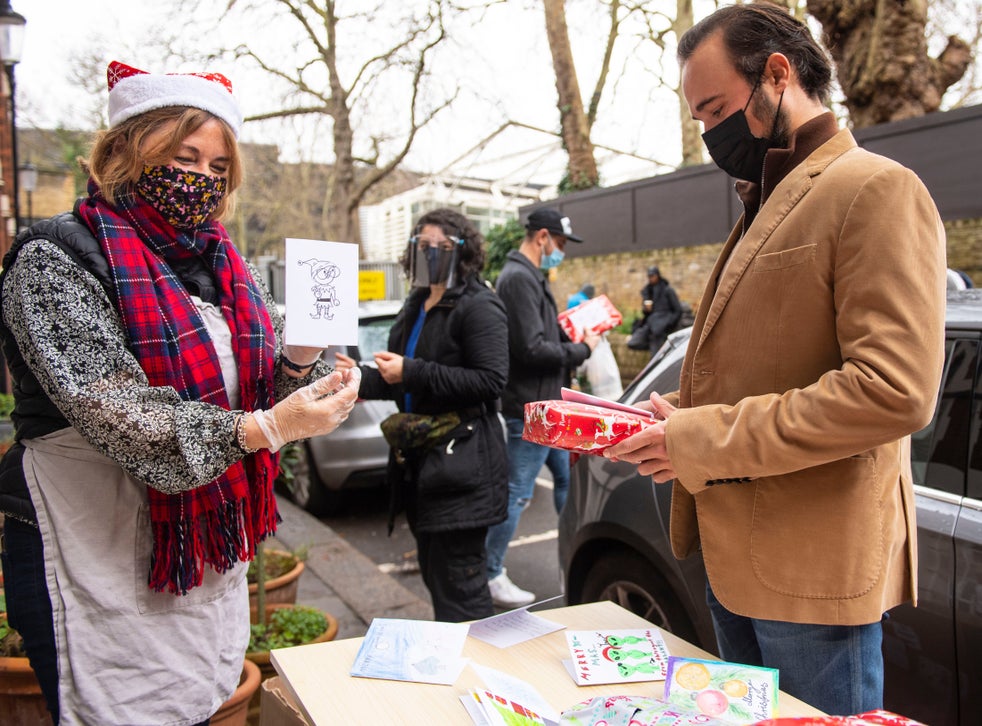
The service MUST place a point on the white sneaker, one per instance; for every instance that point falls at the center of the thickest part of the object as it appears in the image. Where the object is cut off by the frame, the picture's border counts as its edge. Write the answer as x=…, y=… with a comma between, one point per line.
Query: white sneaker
x=506, y=594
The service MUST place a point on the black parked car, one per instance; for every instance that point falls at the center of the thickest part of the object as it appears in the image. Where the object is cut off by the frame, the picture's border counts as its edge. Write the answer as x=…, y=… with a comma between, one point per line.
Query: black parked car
x=613, y=538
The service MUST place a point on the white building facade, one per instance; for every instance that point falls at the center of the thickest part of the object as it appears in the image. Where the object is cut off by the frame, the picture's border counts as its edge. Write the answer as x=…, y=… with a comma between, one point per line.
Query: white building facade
x=387, y=226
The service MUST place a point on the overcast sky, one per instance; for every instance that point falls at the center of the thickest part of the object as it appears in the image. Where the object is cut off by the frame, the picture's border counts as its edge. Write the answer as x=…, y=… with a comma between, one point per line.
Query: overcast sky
x=510, y=39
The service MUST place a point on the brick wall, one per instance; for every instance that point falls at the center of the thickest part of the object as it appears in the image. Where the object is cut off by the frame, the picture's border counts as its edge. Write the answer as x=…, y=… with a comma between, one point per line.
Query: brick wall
x=621, y=277
x=965, y=247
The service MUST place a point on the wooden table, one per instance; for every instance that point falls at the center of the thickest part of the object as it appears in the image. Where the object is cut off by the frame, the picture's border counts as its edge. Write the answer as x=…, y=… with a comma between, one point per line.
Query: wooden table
x=317, y=675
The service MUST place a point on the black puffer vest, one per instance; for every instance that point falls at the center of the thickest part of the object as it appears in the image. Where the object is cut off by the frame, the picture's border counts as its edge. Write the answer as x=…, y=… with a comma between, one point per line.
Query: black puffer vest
x=34, y=414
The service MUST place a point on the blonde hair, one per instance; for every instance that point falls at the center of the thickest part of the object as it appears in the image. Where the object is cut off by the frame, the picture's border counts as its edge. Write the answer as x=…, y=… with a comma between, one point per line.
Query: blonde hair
x=120, y=153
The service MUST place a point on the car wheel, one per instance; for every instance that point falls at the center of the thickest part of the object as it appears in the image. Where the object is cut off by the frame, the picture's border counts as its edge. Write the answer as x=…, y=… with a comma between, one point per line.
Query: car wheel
x=629, y=580
x=308, y=491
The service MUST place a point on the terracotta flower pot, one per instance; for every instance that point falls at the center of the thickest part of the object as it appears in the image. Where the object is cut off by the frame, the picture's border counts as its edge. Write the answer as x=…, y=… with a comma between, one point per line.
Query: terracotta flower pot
x=20, y=694
x=235, y=711
x=282, y=589
x=261, y=657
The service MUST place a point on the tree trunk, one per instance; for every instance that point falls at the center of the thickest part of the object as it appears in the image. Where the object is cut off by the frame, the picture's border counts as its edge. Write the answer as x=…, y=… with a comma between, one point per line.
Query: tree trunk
x=573, y=119
x=880, y=52
x=691, y=129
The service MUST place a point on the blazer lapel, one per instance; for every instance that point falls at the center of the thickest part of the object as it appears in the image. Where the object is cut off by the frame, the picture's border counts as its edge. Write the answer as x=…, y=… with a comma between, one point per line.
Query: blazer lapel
x=738, y=253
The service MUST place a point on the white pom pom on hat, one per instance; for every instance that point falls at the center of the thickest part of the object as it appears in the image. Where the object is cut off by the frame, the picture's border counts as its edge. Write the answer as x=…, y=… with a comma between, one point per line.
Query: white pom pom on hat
x=132, y=92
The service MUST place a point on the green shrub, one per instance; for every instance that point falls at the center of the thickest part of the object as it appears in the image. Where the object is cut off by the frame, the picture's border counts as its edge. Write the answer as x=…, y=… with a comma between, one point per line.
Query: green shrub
x=6, y=405
x=288, y=627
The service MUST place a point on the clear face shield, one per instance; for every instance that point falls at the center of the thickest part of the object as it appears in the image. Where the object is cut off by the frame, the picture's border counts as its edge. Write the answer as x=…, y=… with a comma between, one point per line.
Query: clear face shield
x=433, y=262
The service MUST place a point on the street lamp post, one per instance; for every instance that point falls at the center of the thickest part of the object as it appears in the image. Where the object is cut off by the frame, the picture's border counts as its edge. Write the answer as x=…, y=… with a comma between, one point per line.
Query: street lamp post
x=27, y=180
x=11, y=45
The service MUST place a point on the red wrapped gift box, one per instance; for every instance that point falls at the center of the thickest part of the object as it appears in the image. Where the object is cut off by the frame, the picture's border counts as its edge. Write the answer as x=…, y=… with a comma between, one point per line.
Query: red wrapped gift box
x=597, y=314
x=869, y=718
x=579, y=426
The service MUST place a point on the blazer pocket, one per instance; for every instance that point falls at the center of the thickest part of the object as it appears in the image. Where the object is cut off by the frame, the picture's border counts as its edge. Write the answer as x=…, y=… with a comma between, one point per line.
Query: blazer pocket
x=830, y=518
x=785, y=258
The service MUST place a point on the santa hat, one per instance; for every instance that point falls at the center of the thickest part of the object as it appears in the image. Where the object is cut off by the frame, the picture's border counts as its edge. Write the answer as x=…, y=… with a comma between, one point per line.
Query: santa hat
x=132, y=92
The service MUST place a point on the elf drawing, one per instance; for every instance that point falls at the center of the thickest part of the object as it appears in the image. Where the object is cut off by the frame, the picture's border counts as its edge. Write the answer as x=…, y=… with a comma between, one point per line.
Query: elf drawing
x=323, y=274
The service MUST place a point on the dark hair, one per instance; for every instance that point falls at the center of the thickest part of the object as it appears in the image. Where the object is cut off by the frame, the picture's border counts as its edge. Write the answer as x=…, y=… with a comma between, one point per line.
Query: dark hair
x=454, y=224
x=751, y=33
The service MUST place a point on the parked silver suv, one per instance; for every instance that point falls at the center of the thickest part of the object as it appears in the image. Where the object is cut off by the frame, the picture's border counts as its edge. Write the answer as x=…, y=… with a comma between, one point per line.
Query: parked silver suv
x=613, y=538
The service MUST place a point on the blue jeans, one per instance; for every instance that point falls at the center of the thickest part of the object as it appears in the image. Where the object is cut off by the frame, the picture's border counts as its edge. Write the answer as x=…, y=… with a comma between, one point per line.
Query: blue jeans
x=558, y=464
x=835, y=668
x=525, y=461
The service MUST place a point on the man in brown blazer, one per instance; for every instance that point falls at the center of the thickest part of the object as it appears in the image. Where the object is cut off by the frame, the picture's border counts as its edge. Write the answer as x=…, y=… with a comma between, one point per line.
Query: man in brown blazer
x=816, y=351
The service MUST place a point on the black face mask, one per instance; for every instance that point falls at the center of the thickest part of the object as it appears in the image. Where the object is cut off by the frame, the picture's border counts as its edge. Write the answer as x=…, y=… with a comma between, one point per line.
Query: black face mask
x=737, y=151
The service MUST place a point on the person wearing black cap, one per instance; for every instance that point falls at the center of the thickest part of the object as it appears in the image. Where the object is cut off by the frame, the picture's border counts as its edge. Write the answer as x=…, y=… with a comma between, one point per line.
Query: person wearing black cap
x=540, y=355
x=661, y=312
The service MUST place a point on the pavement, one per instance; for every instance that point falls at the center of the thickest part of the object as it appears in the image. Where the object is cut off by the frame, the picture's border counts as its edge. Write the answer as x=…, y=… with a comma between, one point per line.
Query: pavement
x=339, y=579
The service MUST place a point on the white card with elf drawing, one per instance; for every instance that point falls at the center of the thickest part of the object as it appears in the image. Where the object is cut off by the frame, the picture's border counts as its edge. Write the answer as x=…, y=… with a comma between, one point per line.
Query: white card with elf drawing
x=321, y=293
x=616, y=656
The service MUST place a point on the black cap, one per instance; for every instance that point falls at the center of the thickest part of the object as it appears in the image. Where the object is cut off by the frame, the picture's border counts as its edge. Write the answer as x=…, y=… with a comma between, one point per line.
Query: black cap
x=653, y=270
x=553, y=221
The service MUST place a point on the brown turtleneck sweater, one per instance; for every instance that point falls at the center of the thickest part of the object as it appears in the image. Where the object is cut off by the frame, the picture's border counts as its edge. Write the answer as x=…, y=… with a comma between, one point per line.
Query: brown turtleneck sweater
x=778, y=163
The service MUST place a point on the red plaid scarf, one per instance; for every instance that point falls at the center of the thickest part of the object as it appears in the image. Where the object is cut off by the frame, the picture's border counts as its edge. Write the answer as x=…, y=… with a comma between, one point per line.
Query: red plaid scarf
x=221, y=522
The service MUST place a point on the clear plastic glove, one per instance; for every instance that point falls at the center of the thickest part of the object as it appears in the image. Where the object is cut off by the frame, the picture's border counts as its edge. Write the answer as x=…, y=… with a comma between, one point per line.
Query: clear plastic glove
x=316, y=409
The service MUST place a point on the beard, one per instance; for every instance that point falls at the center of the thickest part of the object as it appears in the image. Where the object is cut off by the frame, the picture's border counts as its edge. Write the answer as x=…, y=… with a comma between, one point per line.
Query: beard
x=763, y=108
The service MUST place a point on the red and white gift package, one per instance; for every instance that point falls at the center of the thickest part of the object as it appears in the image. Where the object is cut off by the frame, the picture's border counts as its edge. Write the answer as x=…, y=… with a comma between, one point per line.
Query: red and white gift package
x=597, y=315
x=869, y=718
x=581, y=427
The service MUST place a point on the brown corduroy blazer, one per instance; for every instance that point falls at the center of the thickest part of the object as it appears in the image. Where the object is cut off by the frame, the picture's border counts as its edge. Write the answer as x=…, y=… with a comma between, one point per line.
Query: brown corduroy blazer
x=813, y=357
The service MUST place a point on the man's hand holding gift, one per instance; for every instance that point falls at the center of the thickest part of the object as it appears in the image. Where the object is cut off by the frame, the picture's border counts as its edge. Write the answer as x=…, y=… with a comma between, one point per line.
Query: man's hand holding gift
x=649, y=447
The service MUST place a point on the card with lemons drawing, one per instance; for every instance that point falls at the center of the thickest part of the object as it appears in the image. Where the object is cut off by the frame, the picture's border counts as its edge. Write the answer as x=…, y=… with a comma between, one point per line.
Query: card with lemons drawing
x=733, y=692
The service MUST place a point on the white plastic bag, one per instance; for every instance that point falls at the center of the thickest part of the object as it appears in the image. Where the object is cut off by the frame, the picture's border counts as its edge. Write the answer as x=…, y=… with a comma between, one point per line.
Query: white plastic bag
x=602, y=372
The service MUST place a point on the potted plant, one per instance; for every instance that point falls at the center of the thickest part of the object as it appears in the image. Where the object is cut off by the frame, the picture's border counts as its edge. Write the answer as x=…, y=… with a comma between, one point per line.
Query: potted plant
x=280, y=625
x=22, y=702
x=20, y=693
x=282, y=572
x=235, y=711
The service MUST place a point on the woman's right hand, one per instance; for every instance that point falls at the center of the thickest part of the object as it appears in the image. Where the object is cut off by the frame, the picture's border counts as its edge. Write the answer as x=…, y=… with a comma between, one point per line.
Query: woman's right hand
x=344, y=362
x=313, y=410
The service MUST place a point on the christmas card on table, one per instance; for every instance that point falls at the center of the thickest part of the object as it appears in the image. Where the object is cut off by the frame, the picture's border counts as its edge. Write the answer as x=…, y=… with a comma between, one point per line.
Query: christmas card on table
x=616, y=656
x=733, y=692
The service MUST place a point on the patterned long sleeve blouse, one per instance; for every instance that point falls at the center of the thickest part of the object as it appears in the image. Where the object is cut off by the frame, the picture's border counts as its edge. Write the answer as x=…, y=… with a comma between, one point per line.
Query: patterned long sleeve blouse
x=71, y=335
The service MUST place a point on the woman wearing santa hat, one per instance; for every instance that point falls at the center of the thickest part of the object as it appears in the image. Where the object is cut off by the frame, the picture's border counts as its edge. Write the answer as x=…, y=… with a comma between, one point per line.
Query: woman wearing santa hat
x=151, y=395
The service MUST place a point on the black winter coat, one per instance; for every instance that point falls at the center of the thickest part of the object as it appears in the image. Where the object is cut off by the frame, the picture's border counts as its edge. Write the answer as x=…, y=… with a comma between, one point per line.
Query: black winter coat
x=460, y=364
x=541, y=354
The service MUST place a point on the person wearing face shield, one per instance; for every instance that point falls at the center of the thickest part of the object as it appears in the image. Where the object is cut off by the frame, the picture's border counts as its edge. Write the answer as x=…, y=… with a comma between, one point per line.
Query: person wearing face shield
x=445, y=367
x=541, y=357
x=816, y=351
x=152, y=391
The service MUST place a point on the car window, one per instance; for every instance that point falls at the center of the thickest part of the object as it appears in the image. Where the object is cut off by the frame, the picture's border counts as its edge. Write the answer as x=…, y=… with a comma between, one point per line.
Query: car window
x=661, y=373
x=373, y=335
x=939, y=451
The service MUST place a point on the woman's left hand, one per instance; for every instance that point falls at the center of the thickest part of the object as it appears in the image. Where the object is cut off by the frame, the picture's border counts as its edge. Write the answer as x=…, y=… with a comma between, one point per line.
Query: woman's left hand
x=390, y=366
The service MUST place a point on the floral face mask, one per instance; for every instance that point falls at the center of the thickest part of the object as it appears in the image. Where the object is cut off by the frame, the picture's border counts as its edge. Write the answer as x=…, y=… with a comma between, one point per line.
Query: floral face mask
x=184, y=198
